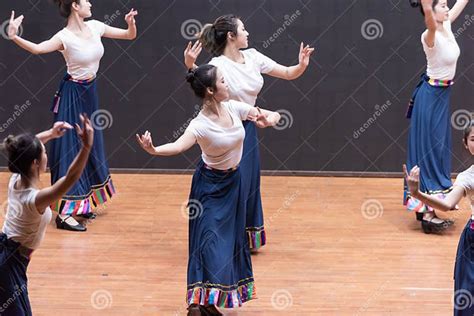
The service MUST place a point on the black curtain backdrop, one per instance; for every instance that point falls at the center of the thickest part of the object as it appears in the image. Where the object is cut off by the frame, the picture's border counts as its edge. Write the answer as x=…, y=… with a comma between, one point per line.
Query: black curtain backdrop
x=346, y=113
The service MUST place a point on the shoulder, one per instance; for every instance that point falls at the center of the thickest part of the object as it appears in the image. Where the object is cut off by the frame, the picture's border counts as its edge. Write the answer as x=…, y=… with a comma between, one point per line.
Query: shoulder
x=96, y=26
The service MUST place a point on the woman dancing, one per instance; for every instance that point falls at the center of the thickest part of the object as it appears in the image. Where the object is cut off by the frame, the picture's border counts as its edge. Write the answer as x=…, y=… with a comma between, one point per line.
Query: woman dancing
x=226, y=39
x=463, y=187
x=219, y=266
x=81, y=45
x=28, y=212
x=429, y=142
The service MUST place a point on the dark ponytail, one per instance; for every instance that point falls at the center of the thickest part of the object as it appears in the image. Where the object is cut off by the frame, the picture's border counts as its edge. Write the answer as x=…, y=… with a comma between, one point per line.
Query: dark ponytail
x=417, y=3
x=214, y=36
x=65, y=7
x=201, y=78
x=22, y=150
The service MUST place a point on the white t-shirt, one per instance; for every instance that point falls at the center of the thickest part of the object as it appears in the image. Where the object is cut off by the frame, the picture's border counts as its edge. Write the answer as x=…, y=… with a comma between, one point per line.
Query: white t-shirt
x=244, y=80
x=466, y=180
x=221, y=147
x=23, y=223
x=83, y=55
x=443, y=56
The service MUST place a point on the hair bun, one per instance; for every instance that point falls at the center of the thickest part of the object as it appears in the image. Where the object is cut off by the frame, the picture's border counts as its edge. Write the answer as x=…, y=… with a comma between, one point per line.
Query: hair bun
x=9, y=143
x=415, y=3
x=190, y=76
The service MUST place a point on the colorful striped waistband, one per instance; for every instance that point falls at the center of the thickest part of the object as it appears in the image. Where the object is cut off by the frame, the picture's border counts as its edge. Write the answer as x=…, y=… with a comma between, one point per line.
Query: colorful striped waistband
x=219, y=170
x=440, y=83
x=82, y=81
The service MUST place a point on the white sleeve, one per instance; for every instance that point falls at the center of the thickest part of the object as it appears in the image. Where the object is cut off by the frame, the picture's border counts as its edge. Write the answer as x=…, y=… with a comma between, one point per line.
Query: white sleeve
x=426, y=48
x=98, y=26
x=61, y=36
x=264, y=63
x=241, y=109
x=465, y=181
x=194, y=129
x=31, y=201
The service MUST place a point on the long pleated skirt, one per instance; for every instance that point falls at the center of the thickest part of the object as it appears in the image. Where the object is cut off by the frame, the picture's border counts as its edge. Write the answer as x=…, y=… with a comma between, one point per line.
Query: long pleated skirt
x=429, y=142
x=250, y=169
x=463, y=297
x=95, y=186
x=219, y=266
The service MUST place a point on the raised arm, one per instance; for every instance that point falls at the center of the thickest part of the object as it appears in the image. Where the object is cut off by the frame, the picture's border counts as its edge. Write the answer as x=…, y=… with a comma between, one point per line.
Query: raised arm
x=186, y=141
x=57, y=131
x=430, y=22
x=45, y=47
x=294, y=72
x=457, y=9
x=448, y=204
x=53, y=193
x=117, y=33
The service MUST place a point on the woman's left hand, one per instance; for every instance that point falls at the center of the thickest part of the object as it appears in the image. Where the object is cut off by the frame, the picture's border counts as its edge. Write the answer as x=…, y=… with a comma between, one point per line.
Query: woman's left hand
x=305, y=54
x=130, y=17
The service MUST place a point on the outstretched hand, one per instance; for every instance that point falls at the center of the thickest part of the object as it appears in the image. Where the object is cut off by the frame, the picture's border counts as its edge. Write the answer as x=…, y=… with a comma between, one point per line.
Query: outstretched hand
x=14, y=25
x=191, y=53
x=86, y=133
x=305, y=54
x=412, y=179
x=146, y=142
x=130, y=17
x=59, y=129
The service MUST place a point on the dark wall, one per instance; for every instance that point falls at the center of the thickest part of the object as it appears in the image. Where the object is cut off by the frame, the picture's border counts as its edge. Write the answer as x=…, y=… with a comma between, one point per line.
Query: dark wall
x=355, y=77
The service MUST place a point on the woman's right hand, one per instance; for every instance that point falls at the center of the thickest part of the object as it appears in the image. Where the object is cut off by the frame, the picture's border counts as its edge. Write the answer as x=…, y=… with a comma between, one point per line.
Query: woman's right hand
x=14, y=25
x=412, y=179
x=191, y=53
x=87, y=132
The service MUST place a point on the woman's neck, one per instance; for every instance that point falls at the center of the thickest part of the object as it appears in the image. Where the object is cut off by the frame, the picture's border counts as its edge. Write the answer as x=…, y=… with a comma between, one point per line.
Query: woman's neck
x=28, y=182
x=233, y=53
x=211, y=106
x=75, y=23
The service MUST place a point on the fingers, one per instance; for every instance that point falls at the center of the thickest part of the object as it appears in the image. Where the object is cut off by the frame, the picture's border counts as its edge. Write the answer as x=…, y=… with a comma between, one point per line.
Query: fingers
x=405, y=170
x=12, y=17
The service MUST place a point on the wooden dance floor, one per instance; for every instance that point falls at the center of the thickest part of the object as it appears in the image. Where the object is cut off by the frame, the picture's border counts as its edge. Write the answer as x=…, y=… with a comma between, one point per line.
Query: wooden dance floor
x=336, y=246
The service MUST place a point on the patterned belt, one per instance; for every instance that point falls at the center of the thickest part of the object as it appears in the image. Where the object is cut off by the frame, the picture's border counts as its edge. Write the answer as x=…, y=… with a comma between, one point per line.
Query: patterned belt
x=22, y=250
x=440, y=83
x=57, y=95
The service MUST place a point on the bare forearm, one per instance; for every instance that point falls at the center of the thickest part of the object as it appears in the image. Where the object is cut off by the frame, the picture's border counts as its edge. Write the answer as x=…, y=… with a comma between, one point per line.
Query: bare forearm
x=132, y=32
x=434, y=202
x=294, y=72
x=170, y=149
x=45, y=136
x=26, y=45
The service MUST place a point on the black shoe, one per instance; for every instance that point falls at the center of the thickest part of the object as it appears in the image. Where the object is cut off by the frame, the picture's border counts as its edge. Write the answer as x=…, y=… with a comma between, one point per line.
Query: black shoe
x=429, y=227
x=194, y=310
x=88, y=215
x=419, y=216
x=210, y=310
x=61, y=224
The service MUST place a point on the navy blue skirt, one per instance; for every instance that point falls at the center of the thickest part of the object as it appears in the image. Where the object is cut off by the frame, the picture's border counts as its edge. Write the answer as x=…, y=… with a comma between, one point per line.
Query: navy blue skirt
x=219, y=267
x=95, y=185
x=14, y=299
x=250, y=170
x=429, y=142
x=464, y=273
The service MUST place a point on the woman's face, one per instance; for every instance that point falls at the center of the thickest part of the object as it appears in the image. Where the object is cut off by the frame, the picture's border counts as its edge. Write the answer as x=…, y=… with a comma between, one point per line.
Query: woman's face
x=242, y=38
x=470, y=142
x=84, y=9
x=222, y=89
x=441, y=11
